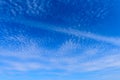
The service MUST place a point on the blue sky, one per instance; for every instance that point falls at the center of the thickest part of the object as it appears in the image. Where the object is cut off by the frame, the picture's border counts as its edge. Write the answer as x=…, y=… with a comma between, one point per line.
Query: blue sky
x=59, y=39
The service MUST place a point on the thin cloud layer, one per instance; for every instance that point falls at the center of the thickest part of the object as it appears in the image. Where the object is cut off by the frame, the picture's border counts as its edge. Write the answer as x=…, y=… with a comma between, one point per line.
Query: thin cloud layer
x=70, y=31
x=59, y=39
x=70, y=57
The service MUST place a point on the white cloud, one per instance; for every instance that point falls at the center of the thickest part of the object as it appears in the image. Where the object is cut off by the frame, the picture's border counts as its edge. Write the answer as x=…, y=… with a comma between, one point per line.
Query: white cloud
x=111, y=40
x=23, y=66
x=78, y=63
x=69, y=31
x=69, y=64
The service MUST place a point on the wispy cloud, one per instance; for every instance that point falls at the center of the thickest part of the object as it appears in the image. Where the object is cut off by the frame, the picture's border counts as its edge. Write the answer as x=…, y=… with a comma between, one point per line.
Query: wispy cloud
x=111, y=61
x=23, y=66
x=66, y=64
x=79, y=63
x=69, y=31
x=111, y=40
x=42, y=58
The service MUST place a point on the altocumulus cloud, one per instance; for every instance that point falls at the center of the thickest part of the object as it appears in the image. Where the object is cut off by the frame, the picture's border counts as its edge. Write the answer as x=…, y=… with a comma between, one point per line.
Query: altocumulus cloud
x=30, y=56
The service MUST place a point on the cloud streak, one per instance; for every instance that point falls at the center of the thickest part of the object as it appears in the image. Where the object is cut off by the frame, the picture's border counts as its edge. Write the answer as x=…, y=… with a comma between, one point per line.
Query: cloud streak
x=111, y=40
x=69, y=31
x=36, y=58
x=68, y=64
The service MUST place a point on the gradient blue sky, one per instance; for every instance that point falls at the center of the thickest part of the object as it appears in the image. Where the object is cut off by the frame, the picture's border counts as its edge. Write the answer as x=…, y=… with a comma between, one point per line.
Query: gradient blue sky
x=59, y=39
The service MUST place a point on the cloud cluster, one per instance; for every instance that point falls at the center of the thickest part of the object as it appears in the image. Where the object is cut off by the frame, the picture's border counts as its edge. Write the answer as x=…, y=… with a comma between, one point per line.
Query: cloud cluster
x=70, y=56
